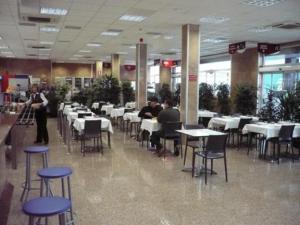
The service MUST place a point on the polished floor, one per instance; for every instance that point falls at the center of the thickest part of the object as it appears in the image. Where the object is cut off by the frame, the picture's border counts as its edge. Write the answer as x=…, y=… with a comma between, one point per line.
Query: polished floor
x=130, y=185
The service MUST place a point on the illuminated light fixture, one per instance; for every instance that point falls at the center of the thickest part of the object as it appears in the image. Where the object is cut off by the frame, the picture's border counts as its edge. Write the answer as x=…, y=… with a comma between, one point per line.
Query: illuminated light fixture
x=215, y=41
x=132, y=46
x=53, y=11
x=260, y=29
x=132, y=18
x=167, y=37
x=214, y=19
x=111, y=32
x=7, y=53
x=262, y=3
x=122, y=53
x=46, y=42
x=85, y=51
x=49, y=29
x=3, y=47
x=78, y=55
x=93, y=44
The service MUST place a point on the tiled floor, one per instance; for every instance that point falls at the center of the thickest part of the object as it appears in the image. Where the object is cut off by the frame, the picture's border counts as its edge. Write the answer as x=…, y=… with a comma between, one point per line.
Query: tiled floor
x=129, y=185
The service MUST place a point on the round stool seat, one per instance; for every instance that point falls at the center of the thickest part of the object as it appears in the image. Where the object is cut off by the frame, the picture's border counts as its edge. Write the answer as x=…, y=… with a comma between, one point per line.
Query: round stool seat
x=54, y=172
x=36, y=149
x=46, y=206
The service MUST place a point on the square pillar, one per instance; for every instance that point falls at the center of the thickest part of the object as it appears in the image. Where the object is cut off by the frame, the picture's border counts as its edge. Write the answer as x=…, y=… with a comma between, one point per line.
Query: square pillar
x=115, y=66
x=190, y=71
x=164, y=75
x=141, y=75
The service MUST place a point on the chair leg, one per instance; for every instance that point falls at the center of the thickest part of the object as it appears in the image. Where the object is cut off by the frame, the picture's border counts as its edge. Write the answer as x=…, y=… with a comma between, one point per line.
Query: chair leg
x=278, y=157
x=184, y=158
x=193, y=164
x=293, y=158
x=205, y=168
x=225, y=166
x=211, y=166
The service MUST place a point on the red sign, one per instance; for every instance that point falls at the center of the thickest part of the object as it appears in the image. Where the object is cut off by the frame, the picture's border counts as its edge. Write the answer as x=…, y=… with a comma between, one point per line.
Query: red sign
x=129, y=67
x=167, y=63
x=106, y=65
x=193, y=77
x=233, y=48
x=266, y=48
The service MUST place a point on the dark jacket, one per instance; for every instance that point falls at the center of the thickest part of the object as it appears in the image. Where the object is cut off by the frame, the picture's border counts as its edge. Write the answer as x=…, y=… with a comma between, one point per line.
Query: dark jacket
x=168, y=115
x=154, y=111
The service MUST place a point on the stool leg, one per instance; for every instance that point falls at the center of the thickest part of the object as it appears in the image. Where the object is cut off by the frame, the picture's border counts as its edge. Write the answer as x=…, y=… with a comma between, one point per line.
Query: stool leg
x=70, y=198
x=63, y=187
x=42, y=187
x=62, y=219
x=31, y=220
x=26, y=177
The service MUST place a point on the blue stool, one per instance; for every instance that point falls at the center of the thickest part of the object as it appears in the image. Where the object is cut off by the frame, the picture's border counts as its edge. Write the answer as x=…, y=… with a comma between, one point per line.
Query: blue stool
x=45, y=207
x=33, y=150
x=49, y=173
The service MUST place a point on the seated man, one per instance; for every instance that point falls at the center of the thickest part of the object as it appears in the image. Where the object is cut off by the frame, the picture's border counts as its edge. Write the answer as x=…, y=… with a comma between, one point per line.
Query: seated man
x=151, y=110
x=169, y=114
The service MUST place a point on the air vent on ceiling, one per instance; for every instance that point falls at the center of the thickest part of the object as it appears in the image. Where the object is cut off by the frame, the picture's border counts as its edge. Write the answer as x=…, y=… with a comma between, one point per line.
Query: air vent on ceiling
x=287, y=25
x=153, y=33
x=39, y=19
x=63, y=41
x=115, y=30
x=31, y=54
x=29, y=39
x=87, y=57
x=27, y=24
x=37, y=47
x=70, y=27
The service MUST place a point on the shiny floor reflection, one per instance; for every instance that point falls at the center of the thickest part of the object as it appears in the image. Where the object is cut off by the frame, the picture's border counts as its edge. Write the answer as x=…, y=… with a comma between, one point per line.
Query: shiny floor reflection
x=130, y=185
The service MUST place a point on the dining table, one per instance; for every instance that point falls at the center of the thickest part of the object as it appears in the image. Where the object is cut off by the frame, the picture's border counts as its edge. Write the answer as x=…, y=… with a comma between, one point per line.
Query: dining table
x=150, y=125
x=107, y=108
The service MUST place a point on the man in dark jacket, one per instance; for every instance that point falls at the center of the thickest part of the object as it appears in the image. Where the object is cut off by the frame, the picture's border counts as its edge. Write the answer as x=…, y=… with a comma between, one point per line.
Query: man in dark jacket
x=151, y=110
x=169, y=114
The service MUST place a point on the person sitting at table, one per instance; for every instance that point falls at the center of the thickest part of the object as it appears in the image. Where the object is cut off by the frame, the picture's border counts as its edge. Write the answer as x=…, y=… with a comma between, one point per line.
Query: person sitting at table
x=151, y=110
x=169, y=114
x=39, y=102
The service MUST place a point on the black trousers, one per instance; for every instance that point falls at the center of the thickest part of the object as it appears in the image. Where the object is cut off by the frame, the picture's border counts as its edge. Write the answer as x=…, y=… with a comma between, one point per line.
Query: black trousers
x=155, y=139
x=41, y=123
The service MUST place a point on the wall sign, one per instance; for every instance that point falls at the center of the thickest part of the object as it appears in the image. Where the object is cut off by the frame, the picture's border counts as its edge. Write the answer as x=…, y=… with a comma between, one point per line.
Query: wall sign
x=266, y=48
x=233, y=48
x=192, y=77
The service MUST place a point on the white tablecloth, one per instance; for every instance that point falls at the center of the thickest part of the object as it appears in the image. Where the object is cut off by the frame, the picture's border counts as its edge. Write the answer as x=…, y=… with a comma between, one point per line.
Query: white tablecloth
x=132, y=116
x=117, y=112
x=61, y=106
x=199, y=132
x=269, y=130
x=130, y=105
x=227, y=121
x=107, y=109
x=105, y=125
x=71, y=116
x=95, y=105
x=150, y=125
x=206, y=113
x=67, y=109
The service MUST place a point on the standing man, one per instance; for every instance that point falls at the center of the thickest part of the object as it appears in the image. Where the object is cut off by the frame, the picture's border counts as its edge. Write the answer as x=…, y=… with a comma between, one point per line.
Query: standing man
x=39, y=102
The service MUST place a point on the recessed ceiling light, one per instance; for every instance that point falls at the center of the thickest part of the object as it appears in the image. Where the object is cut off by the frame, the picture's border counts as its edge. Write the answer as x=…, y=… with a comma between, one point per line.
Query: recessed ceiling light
x=93, y=44
x=122, y=53
x=260, y=29
x=110, y=33
x=213, y=19
x=262, y=3
x=6, y=53
x=46, y=42
x=53, y=11
x=49, y=29
x=214, y=40
x=78, y=55
x=168, y=37
x=132, y=46
x=85, y=51
x=3, y=47
x=132, y=18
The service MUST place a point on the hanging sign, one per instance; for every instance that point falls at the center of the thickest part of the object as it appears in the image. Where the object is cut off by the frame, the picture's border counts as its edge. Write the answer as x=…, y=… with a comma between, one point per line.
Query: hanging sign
x=106, y=65
x=266, y=48
x=233, y=48
x=129, y=67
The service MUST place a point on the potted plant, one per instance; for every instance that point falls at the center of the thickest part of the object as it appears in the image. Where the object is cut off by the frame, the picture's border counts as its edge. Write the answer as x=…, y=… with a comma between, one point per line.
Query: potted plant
x=287, y=102
x=206, y=96
x=128, y=92
x=270, y=111
x=245, y=99
x=223, y=98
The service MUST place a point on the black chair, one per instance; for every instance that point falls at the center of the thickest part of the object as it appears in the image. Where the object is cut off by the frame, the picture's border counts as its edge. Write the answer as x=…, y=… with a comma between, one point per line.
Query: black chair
x=82, y=115
x=192, y=142
x=240, y=135
x=92, y=130
x=285, y=137
x=215, y=149
x=169, y=133
x=204, y=121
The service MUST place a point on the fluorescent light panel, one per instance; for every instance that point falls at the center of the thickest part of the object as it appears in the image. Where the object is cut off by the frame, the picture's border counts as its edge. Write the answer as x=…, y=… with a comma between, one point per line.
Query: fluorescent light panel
x=214, y=40
x=262, y=3
x=46, y=42
x=6, y=53
x=132, y=46
x=93, y=44
x=260, y=29
x=122, y=53
x=78, y=55
x=85, y=51
x=49, y=29
x=53, y=11
x=132, y=18
x=168, y=37
x=213, y=19
x=3, y=47
x=110, y=33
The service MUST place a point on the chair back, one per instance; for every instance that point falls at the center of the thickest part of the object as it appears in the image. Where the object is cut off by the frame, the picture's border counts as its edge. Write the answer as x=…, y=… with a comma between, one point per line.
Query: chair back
x=129, y=110
x=216, y=143
x=243, y=122
x=82, y=115
x=286, y=132
x=169, y=128
x=193, y=126
x=92, y=127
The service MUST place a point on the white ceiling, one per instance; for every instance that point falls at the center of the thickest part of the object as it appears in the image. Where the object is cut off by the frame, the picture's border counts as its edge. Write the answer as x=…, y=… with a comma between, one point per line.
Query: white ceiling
x=162, y=16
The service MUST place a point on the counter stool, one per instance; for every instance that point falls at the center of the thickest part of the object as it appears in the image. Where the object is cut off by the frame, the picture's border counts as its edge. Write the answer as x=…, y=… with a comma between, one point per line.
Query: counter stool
x=44, y=207
x=43, y=150
x=49, y=173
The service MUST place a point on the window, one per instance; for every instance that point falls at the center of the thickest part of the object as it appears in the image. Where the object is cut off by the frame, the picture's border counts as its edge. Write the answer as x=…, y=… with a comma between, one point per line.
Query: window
x=154, y=75
x=274, y=60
